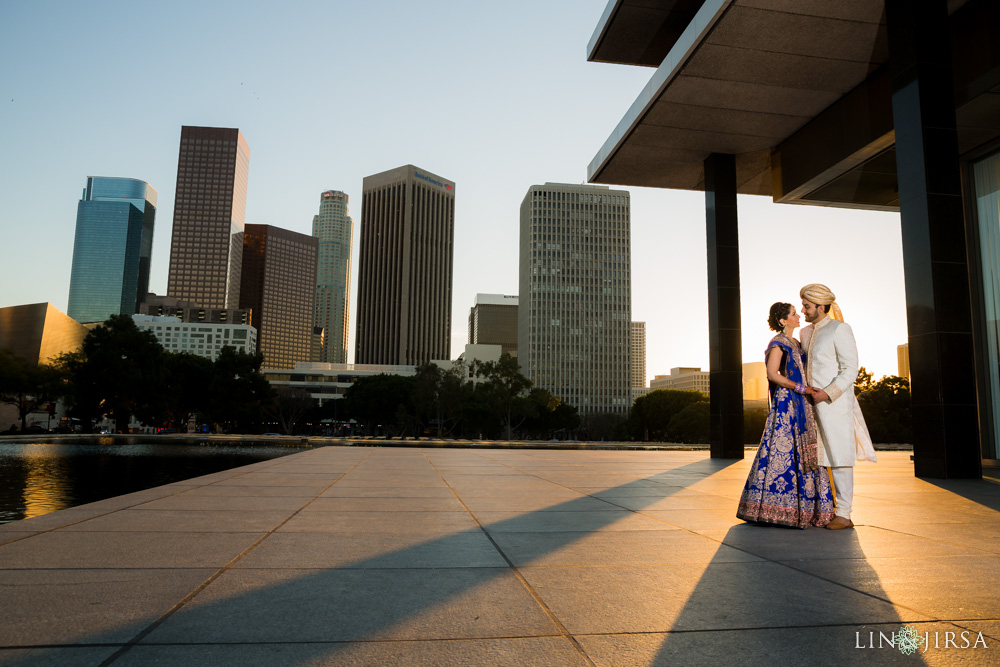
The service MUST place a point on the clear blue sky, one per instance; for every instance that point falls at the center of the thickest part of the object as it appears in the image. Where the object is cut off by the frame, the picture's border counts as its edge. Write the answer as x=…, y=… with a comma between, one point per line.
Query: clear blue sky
x=496, y=97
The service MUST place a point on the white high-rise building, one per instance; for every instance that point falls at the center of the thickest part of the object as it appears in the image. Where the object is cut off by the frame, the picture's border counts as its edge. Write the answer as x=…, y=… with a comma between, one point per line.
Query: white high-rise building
x=637, y=341
x=575, y=303
x=335, y=230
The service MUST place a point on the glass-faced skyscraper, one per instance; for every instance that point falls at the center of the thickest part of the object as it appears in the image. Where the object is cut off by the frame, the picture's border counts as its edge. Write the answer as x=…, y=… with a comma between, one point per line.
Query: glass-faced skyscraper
x=575, y=305
x=112, y=248
x=206, y=246
x=405, y=268
x=335, y=230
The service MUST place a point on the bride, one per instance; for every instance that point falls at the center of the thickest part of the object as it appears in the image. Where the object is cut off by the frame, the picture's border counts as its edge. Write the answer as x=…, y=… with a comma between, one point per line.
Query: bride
x=786, y=486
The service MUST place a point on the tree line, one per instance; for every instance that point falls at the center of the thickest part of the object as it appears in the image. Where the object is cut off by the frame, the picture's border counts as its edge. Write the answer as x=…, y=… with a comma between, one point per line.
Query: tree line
x=122, y=372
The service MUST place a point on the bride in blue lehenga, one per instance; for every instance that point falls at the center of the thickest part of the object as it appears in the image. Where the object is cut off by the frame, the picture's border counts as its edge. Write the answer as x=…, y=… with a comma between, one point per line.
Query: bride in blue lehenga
x=786, y=486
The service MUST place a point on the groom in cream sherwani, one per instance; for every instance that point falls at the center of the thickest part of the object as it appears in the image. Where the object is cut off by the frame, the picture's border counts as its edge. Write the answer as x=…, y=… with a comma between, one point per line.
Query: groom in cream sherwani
x=832, y=367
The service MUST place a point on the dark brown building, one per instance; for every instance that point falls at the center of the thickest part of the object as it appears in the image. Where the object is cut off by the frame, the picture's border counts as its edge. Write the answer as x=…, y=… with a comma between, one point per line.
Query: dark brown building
x=493, y=321
x=405, y=268
x=279, y=290
x=206, y=247
x=189, y=311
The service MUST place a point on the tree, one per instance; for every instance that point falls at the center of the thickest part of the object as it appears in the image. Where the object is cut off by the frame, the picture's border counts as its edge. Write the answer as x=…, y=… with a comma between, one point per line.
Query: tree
x=886, y=407
x=189, y=383
x=119, y=372
x=240, y=392
x=754, y=421
x=549, y=415
x=439, y=398
x=864, y=381
x=26, y=385
x=692, y=424
x=381, y=400
x=649, y=418
x=603, y=426
x=289, y=405
x=504, y=390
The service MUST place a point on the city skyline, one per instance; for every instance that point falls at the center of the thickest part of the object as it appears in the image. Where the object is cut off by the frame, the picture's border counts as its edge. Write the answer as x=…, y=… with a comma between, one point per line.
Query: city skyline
x=473, y=124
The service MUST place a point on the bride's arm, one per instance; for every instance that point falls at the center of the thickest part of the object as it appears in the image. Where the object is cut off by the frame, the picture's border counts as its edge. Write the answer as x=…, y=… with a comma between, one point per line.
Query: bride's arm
x=774, y=371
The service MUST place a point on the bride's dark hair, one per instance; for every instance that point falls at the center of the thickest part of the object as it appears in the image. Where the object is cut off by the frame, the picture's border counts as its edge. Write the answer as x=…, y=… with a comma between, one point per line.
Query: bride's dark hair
x=779, y=311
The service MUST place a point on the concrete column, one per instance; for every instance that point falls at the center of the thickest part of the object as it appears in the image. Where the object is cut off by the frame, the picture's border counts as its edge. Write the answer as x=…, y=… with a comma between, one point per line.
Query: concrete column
x=724, y=326
x=938, y=305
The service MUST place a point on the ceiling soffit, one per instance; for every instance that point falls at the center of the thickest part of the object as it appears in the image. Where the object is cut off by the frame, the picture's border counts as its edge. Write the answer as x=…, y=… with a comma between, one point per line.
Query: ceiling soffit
x=745, y=75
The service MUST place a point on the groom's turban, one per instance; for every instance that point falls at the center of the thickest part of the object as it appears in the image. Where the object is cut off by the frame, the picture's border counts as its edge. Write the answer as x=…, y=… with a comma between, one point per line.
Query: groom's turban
x=818, y=294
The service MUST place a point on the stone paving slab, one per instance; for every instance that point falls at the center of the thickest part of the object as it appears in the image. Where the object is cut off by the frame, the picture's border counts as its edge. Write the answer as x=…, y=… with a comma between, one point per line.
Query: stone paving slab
x=355, y=555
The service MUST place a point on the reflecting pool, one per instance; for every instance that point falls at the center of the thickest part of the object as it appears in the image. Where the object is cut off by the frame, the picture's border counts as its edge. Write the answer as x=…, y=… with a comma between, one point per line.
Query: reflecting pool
x=37, y=479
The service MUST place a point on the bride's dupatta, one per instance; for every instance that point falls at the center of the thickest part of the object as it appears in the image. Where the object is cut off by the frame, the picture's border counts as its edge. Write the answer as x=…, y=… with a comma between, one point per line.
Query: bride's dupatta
x=802, y=413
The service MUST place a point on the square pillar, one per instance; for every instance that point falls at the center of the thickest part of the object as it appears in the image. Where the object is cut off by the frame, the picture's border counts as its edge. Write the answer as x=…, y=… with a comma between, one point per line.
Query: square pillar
x=938, y=304
x=725, y=335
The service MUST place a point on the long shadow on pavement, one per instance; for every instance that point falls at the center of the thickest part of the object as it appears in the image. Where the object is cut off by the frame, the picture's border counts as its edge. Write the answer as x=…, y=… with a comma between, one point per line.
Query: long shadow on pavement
x=297, y=616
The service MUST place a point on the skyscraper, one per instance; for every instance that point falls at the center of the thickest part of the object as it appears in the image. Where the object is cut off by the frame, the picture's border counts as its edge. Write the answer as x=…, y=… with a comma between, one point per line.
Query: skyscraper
x=279, y=288
x=335, y=230
x=112, y=248
x=405, y=267
x=637, y=341
x=575, y=308
x=206, y=246
x=493, y=321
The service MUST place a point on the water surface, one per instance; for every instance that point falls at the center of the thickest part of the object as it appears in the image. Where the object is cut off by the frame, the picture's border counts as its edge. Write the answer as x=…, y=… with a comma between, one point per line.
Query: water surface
x=37, y=479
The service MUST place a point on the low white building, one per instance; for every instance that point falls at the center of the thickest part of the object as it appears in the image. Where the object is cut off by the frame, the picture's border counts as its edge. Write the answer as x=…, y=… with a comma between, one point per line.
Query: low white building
x=684, y=378
x=325, y=382
x=205, y=339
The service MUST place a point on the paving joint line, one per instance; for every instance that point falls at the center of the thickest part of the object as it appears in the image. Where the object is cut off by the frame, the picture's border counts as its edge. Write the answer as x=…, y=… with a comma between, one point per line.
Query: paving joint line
x=198, y=589
x=563, y=631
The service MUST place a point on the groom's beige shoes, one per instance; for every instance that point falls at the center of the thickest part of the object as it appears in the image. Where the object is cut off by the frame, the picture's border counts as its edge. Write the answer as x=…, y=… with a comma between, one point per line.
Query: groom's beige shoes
x=839, y=523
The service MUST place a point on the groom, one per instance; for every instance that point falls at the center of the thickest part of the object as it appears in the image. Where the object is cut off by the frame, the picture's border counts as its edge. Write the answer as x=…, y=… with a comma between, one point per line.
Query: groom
x=832, y=363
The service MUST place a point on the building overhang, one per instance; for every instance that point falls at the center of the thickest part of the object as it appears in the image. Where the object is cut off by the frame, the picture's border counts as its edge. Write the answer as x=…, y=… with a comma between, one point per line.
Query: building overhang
x=798, y=91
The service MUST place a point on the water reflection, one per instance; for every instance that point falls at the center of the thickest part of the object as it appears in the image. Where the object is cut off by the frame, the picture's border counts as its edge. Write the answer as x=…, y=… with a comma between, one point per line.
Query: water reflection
x=46, y=488
x=37, y=479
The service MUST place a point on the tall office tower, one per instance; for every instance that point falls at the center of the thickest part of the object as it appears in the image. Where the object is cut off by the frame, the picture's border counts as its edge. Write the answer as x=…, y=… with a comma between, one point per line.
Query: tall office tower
x=279, y=289
x=335, y=230
x=405, y=268
x=206, y=247
x=637, y=342
x=493, y=321
x=113, y=245
x=574, y=311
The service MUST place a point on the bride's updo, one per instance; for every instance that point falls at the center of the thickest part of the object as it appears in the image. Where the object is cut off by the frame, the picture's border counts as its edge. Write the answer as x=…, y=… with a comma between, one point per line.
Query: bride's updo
x=779, y=311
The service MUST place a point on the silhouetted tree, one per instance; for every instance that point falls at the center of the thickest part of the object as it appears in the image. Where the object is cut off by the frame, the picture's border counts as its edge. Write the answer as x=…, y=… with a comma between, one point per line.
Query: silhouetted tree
x=28, y=386
x=381, y=400
x=289, y=406
x=754, y=420
x=549, y=415
x=691, y=425
x=119, y=372
x=603, y=426
x=886, y=407
x=504, y=390
x=649, y=418
x=240, y=392
x=189, y=384
x=864, y=382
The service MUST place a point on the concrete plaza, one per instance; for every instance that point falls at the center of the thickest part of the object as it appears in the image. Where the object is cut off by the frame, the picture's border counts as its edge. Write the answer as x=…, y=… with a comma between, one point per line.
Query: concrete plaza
x=366, y=555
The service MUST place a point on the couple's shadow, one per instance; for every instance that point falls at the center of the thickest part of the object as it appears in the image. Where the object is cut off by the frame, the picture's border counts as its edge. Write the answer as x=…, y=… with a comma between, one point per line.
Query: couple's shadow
x=810, y=596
